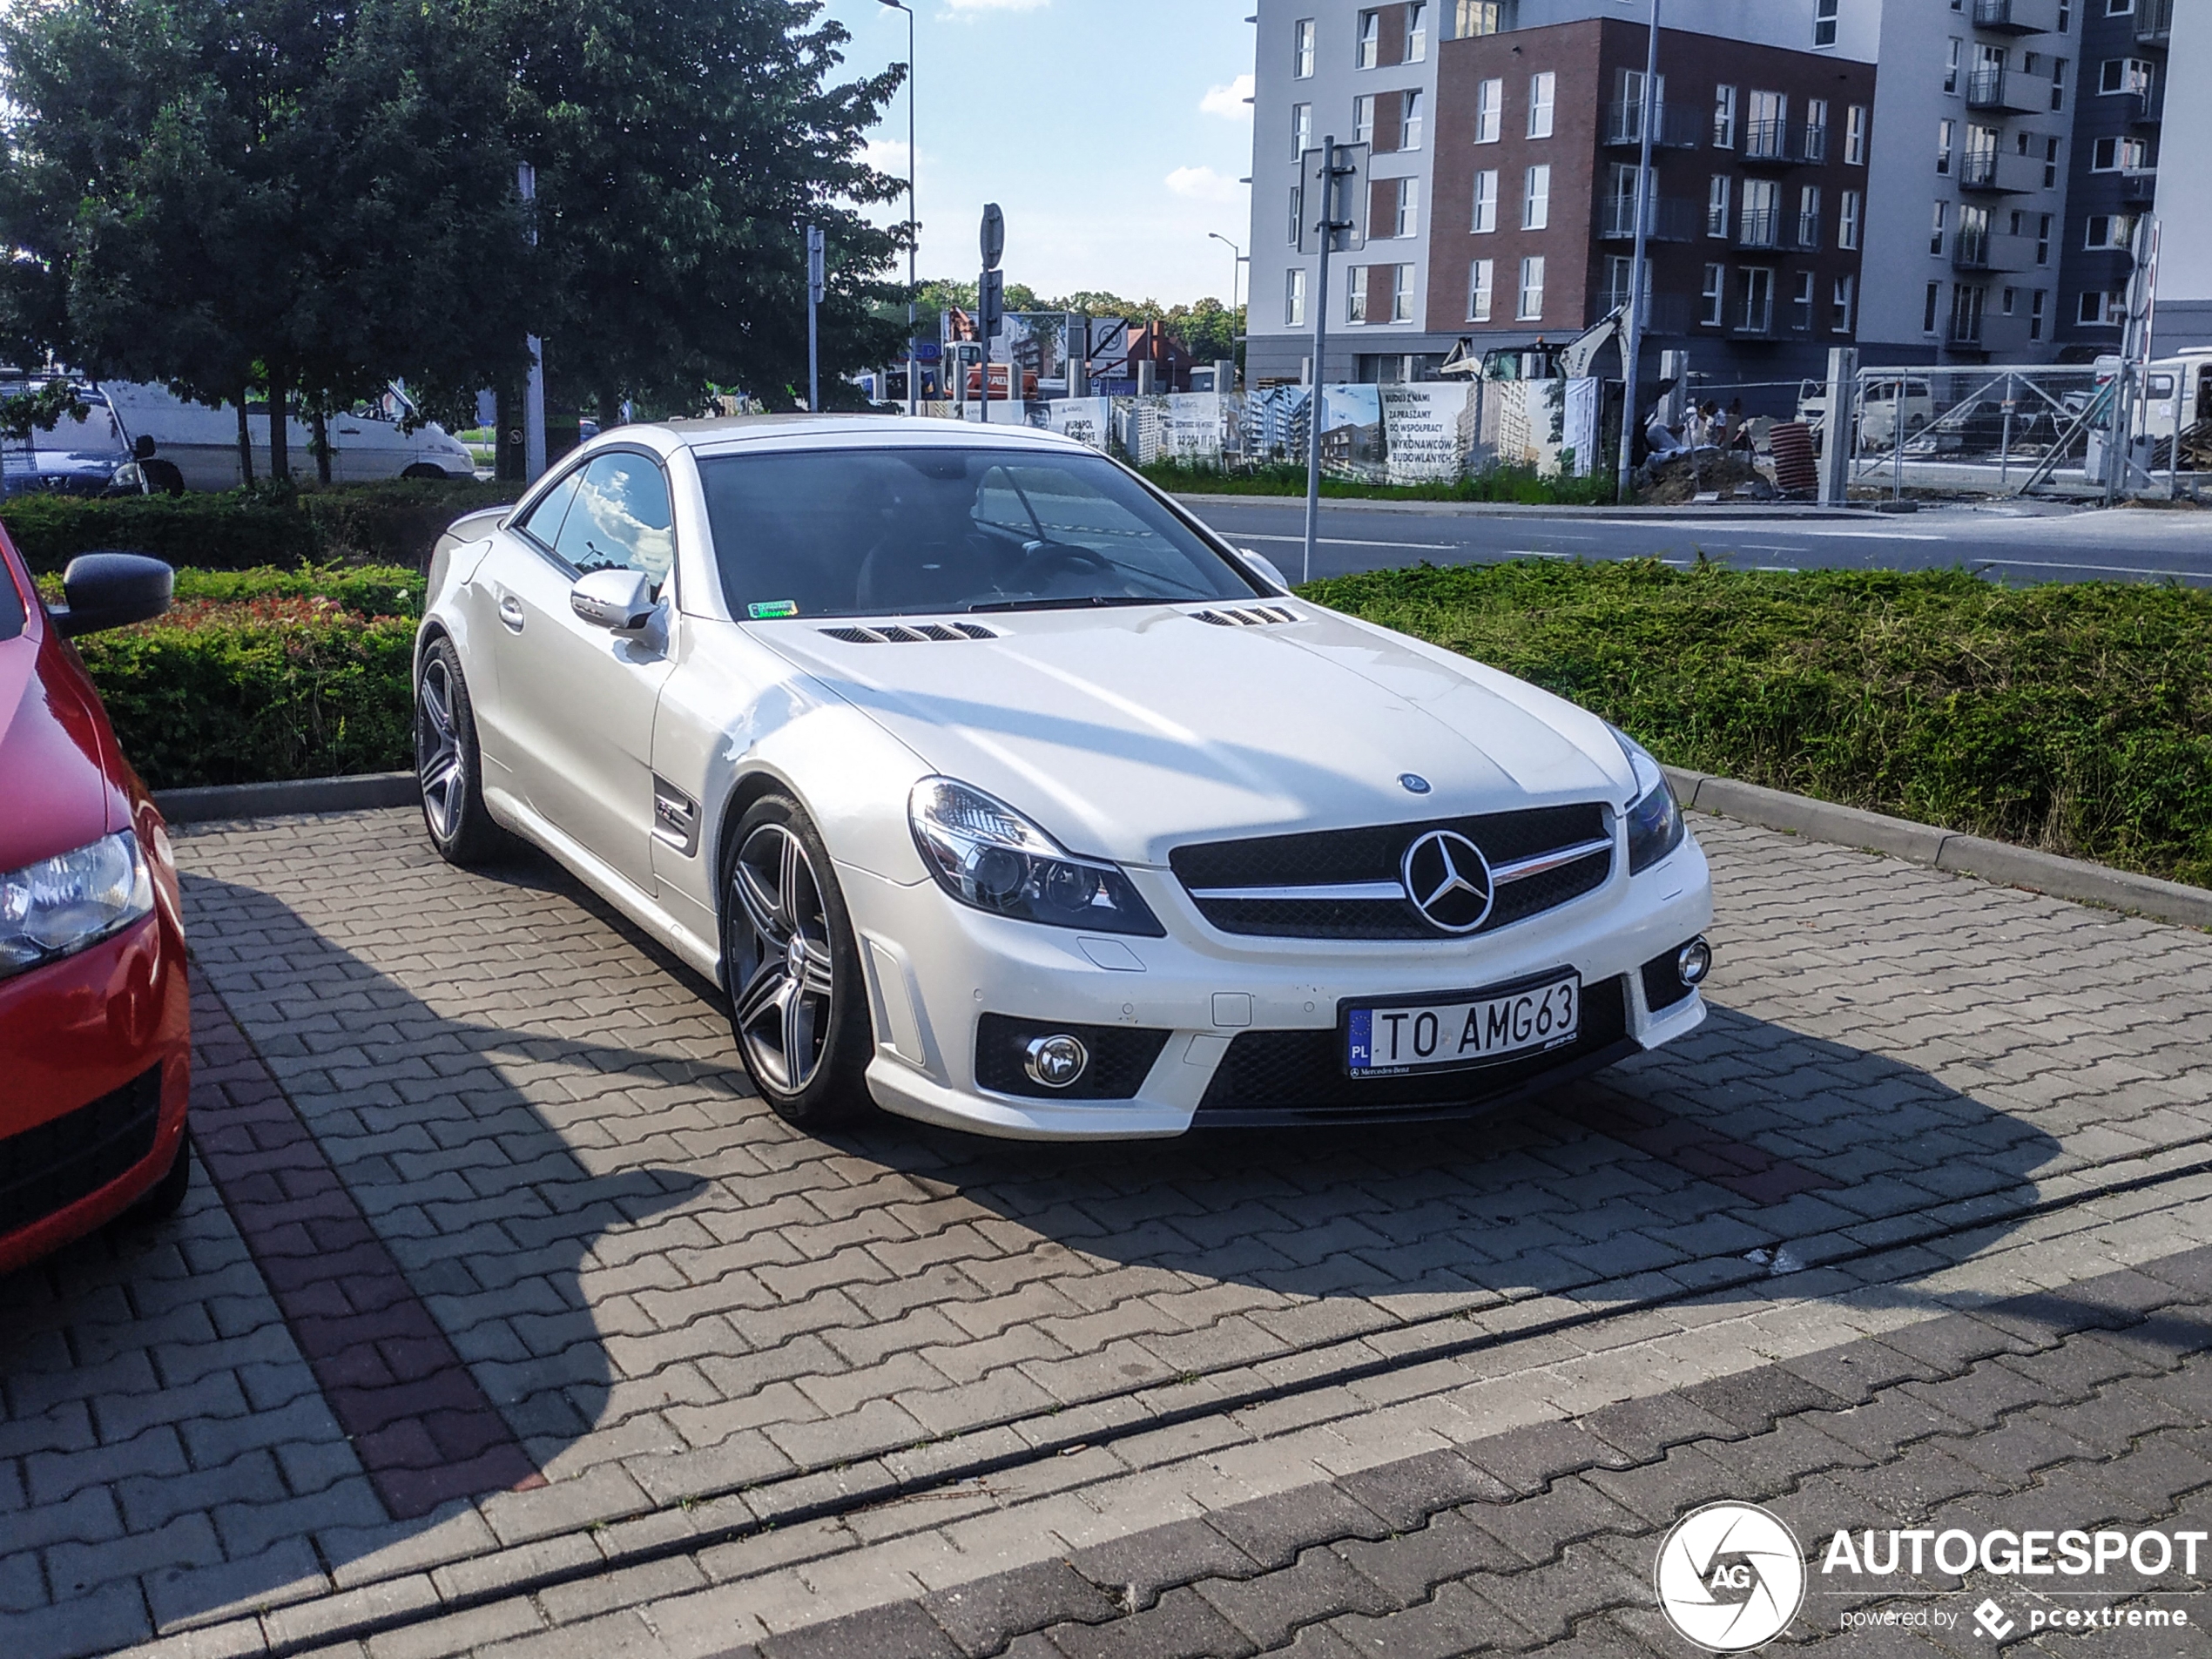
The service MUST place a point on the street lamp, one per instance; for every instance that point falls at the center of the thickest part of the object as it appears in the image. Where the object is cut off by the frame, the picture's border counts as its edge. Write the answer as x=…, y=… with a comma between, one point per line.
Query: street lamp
x=1233, y=274
x=914, y=221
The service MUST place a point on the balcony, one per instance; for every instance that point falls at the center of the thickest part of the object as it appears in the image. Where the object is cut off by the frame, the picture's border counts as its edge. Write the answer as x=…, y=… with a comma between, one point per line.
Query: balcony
x=2017, y=16
x=2003, y=92
x=1992, y=250
x=2000, y=171
x=1759, y=227
x=1667, y=218
x=2154, y=22
x=1663, y=314
x=1767, y=142
x=2143, y=107
x=1675, y=127
x=1808, y=228
x=2139, y=186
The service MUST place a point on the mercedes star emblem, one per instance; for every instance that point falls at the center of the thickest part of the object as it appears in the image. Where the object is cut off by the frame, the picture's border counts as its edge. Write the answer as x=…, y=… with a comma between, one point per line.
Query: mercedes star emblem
x=1448, y=880
x=1413, y=782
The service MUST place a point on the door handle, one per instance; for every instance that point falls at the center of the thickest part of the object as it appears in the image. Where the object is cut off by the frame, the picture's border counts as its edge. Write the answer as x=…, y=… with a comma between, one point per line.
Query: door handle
x=510, y=612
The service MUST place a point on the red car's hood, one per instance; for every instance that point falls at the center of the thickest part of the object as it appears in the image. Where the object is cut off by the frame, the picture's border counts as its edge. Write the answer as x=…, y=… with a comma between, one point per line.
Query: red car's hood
x=55, y=792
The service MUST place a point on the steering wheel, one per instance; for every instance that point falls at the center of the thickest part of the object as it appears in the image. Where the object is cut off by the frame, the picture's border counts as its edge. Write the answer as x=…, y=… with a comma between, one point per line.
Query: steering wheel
x=1048, y=559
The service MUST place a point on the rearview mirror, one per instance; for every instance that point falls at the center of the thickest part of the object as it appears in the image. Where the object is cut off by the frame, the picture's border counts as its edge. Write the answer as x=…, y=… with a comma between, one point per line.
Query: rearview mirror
x=617, y=598
x=112, y=590
x=1265, y=567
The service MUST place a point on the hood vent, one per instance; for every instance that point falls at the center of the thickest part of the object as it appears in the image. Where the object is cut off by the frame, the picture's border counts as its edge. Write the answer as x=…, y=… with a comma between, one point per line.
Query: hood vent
x=1248, y=616
x=898, y=634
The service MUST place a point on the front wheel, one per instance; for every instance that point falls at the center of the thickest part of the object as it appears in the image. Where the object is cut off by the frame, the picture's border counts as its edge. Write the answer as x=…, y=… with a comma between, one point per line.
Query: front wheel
x=798, y=1004
x=447, y=763
x=423, y=469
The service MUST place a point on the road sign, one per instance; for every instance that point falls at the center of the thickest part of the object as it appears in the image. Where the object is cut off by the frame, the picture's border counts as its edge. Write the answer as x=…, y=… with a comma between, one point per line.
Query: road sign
x=815, y=292
x=1344, y=208
x=993, y=236
x=990, y=309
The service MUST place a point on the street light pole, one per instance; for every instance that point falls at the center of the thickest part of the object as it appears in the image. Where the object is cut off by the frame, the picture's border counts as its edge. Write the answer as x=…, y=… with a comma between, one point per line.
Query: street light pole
x=1632, y=332
x=914, y=222
x=1233, y=274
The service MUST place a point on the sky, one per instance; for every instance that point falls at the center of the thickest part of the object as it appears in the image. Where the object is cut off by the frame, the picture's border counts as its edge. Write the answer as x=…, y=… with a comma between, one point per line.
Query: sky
x=1112, y=132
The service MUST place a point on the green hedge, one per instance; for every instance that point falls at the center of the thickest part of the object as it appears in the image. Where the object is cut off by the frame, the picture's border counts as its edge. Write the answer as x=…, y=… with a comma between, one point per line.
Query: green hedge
x=2076, y=717
x=394, y=522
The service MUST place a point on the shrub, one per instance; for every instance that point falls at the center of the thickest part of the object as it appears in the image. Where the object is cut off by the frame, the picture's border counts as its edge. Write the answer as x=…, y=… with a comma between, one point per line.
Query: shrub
x=396, y=522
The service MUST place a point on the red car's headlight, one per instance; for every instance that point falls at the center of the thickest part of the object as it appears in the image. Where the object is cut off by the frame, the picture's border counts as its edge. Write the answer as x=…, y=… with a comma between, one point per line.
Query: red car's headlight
x=64, y=903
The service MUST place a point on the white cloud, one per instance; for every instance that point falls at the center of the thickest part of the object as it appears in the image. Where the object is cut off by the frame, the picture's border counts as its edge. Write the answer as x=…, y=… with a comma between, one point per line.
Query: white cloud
x=1233, y=100
x=1203, y=185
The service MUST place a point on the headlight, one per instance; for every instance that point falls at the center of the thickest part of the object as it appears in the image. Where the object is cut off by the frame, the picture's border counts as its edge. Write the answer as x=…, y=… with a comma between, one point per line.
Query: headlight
x=129, y=475
x=64, y=903
x=985, y=854
x=1654, y=817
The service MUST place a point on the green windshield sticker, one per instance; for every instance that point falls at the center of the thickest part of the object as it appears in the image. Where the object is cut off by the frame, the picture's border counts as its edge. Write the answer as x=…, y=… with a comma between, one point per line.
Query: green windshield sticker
x=769, y=610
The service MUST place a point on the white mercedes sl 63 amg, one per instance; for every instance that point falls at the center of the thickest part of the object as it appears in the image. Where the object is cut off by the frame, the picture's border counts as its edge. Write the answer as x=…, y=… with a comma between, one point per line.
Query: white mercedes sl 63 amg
x=993, y=788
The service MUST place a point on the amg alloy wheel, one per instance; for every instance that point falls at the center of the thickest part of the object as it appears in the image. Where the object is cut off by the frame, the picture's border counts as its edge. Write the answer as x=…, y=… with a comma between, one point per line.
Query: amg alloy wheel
x=447, y=763
x=798, y=1005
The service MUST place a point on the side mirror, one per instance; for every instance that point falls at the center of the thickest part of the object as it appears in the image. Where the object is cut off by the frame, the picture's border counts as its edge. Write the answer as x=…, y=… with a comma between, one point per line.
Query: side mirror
x=112, y=590
x=617, y=598
x=142, y=448
x=1265, y=567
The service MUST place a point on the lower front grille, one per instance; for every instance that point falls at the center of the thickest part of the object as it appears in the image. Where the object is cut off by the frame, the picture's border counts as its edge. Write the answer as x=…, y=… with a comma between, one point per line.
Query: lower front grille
x=1290, y=1076
x=47, y=1168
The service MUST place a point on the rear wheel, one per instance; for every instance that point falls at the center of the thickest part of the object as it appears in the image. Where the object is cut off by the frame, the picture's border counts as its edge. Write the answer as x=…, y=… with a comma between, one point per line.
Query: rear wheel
x=424, y=469
x=798, y=1004
x=447, y=763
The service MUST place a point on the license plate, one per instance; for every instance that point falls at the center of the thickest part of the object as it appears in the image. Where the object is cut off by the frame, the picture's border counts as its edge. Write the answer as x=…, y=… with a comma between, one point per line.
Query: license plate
x=1391, y=1039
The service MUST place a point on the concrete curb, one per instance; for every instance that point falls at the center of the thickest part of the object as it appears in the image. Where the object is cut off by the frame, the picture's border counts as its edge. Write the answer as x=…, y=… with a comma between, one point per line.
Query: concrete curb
x=1997, y=861
x=353, y=794
x=1517, y=509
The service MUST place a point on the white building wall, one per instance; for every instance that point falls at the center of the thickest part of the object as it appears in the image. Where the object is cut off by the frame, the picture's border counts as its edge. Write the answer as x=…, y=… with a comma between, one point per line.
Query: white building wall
x=2184, y=200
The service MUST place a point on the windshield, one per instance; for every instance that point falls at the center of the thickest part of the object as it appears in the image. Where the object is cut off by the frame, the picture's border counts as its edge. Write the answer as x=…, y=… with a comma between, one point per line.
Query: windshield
x=875, y=532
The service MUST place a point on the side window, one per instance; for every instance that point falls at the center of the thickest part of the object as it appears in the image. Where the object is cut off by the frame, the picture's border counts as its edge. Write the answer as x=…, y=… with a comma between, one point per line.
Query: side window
x=544, y=521
x=620, y=518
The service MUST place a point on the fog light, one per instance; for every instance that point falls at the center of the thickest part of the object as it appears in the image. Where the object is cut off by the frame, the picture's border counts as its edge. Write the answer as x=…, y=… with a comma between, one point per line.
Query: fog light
x=1055, y=1061
x=1694, y=961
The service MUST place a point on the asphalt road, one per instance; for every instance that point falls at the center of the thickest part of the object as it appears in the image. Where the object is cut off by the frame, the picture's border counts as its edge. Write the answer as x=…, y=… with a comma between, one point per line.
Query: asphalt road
x=2029, y=543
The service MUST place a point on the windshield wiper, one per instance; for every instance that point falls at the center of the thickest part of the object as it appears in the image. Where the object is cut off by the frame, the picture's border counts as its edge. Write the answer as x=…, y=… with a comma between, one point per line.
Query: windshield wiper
x=1090, y=602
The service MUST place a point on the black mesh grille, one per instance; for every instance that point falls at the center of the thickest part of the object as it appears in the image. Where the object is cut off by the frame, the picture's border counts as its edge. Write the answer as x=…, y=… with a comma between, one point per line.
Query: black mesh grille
x=49, y=1168
x=1121, y=1055
x=1372, y=853
x=1303, y=1071
x=1662, y=985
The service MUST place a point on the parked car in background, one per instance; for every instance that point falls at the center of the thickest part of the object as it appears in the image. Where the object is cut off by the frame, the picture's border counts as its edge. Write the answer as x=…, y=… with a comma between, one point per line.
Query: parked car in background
x=381, y=438
x=1000, y=792
x=70, y=456
x=95, y=1056
x=1880, y=404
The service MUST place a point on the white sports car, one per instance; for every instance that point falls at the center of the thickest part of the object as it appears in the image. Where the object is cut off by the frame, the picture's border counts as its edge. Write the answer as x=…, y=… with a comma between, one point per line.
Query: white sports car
x=993, y=788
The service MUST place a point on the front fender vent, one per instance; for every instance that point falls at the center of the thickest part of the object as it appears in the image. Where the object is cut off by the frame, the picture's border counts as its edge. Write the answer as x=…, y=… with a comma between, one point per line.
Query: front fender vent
x=900, y=634
x=1245, y=616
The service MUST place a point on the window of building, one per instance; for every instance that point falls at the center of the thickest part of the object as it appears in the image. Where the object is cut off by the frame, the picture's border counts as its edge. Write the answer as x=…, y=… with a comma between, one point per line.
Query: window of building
x=1716, y=199
x=1951, y=63
x=2004, y=302
x=1619, y=278
x=1410, y=122
x=1973, y=235
x=2043, y=239
x=2099, y=308
x=1542, y=88
x=1408, y=216
x=2058, y=82
x=1935, y=234
x=1302, y=49
x=1766, y=134
x=1724, y=117
x=1759, y=226
x=1363, y=119
x=1967, y=304
x=1298, y=205
x=2035, y=315
x=1489, y=109
x=1809, y=221
x=1714, y=295
x=1816, y=134
x=1848, y=221
x=1401, y=292
x=1294, y=297
x=1928, y=309
x=1369, y=50
x=1301, y=130
x=1945, y=131
x=1416, y=32
x=2119, y=8
x=1536, y=198
x=1355, y=294
x=1823, y=23
x=1485, y=201
x=2117, y=155
x=2125, y=75
x=1801, y=304
x=1479, y=291
x=1475, y=17
x=1532, y=289
x=2109, y=231
x=1755, y=300
x=1855, y=124
x=1841, y=302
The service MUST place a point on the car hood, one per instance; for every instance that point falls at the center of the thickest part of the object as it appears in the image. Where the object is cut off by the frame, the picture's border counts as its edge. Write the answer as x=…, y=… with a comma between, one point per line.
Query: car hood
x=1127, y=732
x=51, y=756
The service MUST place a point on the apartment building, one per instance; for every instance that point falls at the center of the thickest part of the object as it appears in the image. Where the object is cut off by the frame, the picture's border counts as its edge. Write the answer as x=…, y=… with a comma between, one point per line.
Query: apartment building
x=2113, y=177
x=1888, y=173
x=2184, y=200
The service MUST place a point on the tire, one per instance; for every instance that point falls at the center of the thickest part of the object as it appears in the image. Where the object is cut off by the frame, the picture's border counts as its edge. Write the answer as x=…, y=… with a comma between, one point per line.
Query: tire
x=424, y=469
x=449, y=764
x=798, y=1004
x=162, y=1199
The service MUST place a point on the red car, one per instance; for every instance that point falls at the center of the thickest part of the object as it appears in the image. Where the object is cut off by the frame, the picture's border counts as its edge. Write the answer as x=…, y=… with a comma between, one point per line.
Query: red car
x=95, y=1052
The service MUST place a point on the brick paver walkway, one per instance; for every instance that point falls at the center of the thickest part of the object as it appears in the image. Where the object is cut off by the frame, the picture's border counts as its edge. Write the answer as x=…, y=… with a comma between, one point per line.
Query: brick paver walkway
x=618, y=1360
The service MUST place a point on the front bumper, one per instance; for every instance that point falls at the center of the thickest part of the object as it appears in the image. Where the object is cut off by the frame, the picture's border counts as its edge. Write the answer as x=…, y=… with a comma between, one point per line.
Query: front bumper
x=934, y=967
x=97, y=1055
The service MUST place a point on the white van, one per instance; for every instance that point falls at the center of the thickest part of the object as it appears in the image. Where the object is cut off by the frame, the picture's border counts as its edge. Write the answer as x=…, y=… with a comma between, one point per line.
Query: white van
x=368, y=441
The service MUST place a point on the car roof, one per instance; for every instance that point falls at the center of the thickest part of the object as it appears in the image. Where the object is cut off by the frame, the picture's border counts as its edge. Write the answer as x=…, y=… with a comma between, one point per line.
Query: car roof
x=727, y=434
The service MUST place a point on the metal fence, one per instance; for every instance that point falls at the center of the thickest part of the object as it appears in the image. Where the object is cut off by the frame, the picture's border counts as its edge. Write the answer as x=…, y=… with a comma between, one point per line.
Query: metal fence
x=1992, y=428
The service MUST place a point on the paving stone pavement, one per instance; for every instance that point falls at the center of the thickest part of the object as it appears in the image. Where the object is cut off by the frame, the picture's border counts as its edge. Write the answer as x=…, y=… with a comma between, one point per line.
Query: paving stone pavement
x=805, y=1379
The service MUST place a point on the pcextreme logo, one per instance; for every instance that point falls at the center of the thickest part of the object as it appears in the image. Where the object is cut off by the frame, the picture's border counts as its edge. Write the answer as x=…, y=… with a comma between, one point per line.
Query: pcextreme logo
x=1730, y=1576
